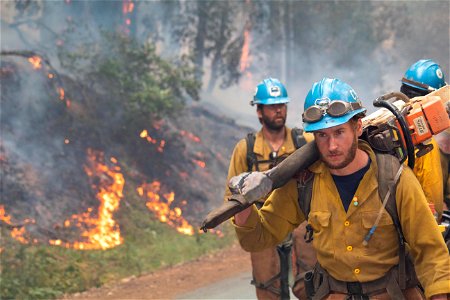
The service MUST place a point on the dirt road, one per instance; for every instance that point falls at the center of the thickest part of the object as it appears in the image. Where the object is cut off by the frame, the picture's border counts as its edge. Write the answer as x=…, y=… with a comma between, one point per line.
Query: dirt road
x=182, y=281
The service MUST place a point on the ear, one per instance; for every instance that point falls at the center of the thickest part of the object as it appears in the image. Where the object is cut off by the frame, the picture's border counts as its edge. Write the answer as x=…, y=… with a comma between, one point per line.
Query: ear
x=259, y=112
x=359, y=128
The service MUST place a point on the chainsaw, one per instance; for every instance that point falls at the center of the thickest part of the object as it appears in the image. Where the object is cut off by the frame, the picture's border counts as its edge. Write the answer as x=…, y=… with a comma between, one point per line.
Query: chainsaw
x=402, y=127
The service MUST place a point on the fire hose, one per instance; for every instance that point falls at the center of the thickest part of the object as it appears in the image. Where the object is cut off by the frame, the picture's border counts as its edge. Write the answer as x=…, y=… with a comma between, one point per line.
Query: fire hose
x=411, y=120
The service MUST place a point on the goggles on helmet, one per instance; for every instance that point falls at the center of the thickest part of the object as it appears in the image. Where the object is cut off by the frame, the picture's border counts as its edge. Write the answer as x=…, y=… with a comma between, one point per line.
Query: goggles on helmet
x=335, y=108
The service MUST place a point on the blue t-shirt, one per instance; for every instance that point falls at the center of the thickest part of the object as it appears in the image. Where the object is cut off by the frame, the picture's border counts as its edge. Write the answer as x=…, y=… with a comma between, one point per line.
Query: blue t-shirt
x=348, y=184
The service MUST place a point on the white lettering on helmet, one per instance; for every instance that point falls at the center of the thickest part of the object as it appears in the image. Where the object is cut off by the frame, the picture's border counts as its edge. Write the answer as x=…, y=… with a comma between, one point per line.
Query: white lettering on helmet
x=274, y=91
x=353, y=94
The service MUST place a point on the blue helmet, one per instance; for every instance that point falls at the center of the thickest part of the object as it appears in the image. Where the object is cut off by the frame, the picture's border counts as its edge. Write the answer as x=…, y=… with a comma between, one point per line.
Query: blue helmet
x=330, y=102
x=270, y=91
x=425, y=75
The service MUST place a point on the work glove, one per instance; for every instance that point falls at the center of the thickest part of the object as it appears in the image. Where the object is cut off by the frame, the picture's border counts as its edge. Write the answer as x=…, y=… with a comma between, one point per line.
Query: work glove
x=253, y=186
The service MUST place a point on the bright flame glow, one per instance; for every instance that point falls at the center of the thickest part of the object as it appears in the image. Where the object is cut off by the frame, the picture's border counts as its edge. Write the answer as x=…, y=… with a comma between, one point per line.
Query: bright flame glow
x=18, y=233
x=36, y=62
x=245, y=56
x=103, y=232
x=160, y=205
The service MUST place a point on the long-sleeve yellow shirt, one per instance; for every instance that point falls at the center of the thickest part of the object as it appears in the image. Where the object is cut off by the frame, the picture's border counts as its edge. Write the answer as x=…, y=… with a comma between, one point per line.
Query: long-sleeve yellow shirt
x=238, y=162
x=339, y=235
x=428, y=172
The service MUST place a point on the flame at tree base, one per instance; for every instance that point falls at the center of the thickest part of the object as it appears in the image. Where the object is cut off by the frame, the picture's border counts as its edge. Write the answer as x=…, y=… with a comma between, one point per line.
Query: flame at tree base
x=103, y=232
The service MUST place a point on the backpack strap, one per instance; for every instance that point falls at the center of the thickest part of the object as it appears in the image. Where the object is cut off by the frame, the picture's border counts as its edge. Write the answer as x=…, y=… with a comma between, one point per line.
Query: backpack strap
x=388, y=166
x=252, y=160
x=297, y=137
x=305, y=181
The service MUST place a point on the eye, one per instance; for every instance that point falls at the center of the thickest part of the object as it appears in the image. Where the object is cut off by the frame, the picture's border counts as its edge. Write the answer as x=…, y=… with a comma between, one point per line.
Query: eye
x=340, y=131
x=320, y=135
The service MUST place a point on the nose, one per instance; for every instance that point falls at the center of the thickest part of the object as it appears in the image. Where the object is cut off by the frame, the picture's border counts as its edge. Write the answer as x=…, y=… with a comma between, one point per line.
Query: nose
x=332, y=144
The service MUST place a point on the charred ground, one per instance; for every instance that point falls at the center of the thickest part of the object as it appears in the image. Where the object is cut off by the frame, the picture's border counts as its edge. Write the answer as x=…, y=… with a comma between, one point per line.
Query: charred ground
x=46, y=136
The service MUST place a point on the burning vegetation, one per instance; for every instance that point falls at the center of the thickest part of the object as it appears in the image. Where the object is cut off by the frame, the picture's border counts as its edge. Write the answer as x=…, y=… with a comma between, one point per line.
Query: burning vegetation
x=169, y=157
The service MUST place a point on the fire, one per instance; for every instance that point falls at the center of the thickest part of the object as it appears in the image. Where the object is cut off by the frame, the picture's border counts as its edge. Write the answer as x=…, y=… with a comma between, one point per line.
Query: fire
x=162, y=143
x=127, y=6
x=245, y=56
x=190, y=136
x=144, y=134
x=36, y=62
x=18, y=233
x=160, y=205
x=61, y=93
x=200, y=163
x=103, y=232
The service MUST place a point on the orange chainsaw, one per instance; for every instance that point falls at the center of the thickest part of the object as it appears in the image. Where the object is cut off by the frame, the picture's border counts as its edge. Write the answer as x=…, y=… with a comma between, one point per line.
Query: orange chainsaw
x=404, y=126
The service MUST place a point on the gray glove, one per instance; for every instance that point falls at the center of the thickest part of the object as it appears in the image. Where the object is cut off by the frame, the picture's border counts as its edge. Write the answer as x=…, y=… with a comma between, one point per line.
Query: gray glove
x=253, y=186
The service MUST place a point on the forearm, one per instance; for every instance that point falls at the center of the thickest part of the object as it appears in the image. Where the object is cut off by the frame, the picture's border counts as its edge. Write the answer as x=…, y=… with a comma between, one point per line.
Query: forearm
x=241, y=217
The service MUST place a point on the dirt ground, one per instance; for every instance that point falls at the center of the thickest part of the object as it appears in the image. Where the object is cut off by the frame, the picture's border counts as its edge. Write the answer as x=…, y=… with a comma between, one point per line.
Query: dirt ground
x=176, y=280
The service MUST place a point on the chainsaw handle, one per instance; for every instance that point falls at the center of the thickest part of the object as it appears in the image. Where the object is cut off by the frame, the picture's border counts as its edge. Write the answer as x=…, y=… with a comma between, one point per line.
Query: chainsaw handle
x=386, y=102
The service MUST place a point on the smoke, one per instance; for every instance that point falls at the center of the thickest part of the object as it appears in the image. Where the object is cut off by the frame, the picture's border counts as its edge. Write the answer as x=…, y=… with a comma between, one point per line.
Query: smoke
x=371, y=53
x=399, y=34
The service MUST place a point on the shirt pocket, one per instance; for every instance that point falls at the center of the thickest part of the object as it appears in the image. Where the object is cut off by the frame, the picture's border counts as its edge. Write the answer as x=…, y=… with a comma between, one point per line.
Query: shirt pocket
x=323, y=237
x=384, y=233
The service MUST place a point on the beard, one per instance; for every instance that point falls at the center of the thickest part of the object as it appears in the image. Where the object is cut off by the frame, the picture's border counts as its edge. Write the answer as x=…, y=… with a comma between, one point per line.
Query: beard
x=275, y=124
x=347, y=159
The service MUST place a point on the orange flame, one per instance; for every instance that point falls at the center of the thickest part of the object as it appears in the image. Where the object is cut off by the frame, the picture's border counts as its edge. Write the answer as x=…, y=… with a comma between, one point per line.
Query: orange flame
x=127, y=6
x=200, y=163
x=104, y=233
x=245, y=56
x=61, y=93
x=190, y=136
x=36, y=62
x=162, y=209
x=18, y=233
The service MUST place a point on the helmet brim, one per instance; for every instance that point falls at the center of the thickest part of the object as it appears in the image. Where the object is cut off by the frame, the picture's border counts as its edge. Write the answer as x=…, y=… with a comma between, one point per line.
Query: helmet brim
x=413, y=86
x=270, y=101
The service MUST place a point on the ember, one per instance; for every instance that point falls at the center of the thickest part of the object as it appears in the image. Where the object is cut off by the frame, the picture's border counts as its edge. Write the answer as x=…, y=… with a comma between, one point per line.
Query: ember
x=35, y=61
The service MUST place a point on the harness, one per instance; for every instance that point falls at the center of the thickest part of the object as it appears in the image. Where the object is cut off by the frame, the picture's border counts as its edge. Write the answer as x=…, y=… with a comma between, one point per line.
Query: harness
x=283, y=249
x=403, y=274
x=252, y=159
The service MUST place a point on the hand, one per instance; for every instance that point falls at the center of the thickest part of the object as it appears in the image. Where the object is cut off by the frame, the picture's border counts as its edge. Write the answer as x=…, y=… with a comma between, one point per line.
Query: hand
x=236, y=182
x=256, y=186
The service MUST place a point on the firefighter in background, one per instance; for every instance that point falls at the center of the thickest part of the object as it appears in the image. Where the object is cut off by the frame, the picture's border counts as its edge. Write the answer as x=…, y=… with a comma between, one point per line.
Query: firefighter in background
x=443, y=140
x=422, y=78
x=345, y=207
x=262, y=151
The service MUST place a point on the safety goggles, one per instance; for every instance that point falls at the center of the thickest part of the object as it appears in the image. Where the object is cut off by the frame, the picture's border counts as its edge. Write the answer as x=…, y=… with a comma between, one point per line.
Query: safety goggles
x=334, y=108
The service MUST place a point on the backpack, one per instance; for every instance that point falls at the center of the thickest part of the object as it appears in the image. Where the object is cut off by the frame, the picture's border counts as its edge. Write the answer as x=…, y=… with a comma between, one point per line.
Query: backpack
x=252, y=160
x=388, y=166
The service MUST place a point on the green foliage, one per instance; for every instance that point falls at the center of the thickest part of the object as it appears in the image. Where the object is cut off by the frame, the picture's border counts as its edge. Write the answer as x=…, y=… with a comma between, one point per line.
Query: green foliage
x=136, y=82
x=44, y=272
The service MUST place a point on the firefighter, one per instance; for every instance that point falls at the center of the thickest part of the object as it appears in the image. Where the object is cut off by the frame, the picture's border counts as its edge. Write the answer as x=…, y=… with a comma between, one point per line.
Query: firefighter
x=443, y=140
x=422, y=78
x=259, y=152
x=355, y=237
